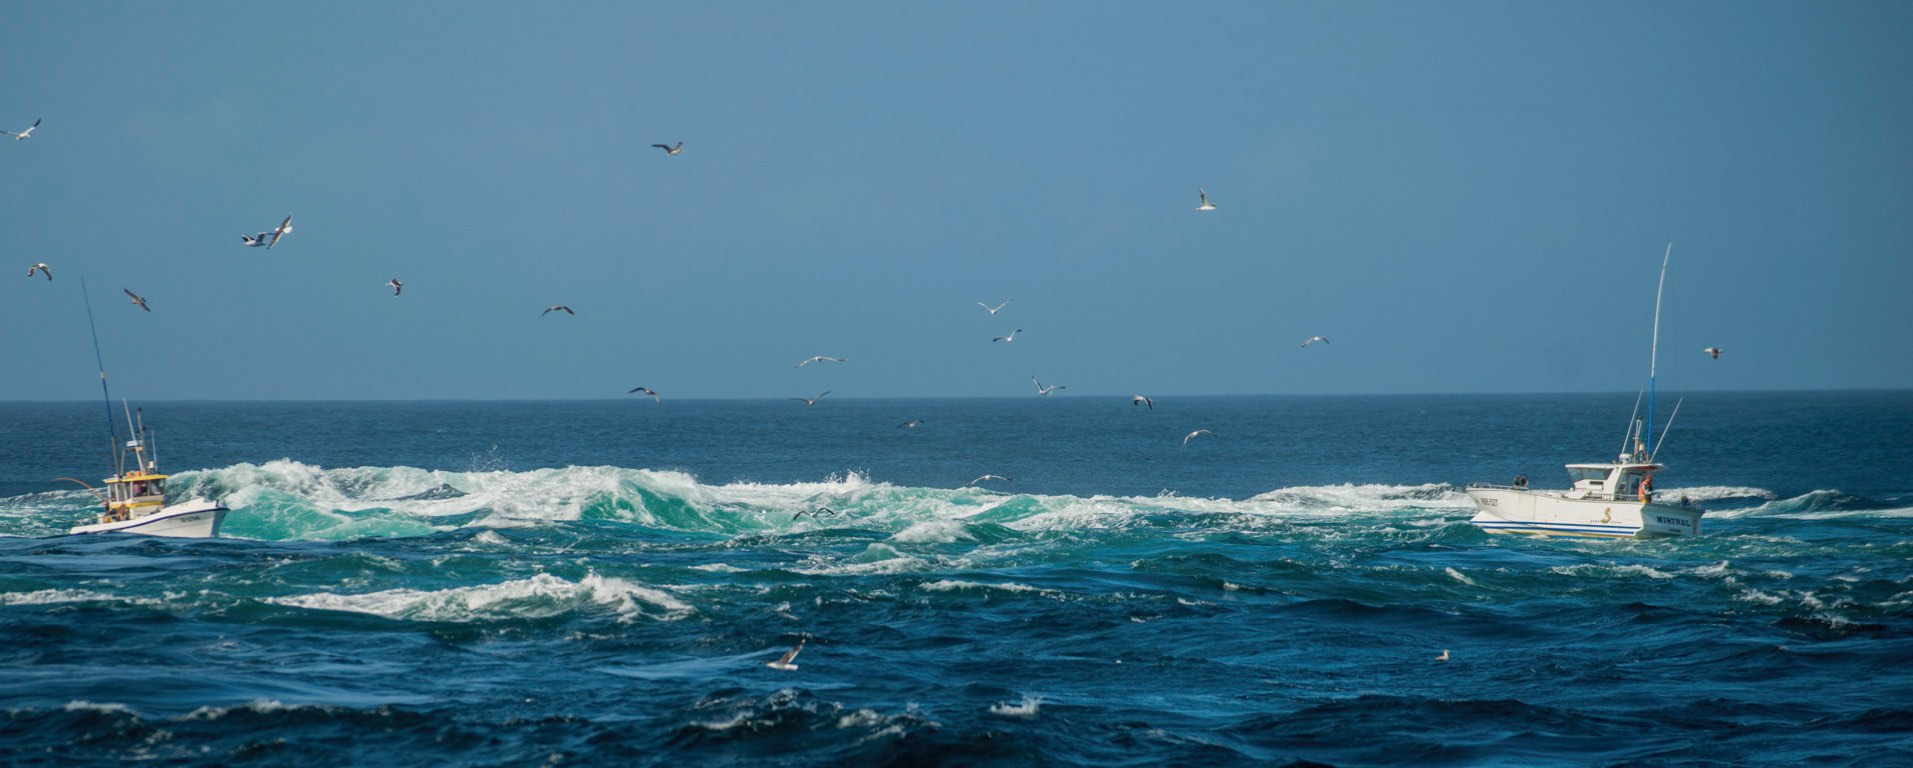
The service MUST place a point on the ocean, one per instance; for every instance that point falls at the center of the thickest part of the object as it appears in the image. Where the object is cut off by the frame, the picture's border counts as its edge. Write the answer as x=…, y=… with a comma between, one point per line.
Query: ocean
x=602, y=583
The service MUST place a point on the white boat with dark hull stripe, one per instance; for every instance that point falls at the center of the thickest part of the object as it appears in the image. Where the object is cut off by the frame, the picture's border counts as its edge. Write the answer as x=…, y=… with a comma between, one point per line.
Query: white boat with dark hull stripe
x=1606, y=500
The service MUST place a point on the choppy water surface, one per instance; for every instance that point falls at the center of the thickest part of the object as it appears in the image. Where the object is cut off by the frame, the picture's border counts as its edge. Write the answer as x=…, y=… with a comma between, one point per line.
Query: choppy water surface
x=602, y=583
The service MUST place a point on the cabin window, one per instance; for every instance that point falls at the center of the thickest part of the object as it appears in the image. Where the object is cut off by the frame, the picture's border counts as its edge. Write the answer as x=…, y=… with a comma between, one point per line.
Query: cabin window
x=1579, y=474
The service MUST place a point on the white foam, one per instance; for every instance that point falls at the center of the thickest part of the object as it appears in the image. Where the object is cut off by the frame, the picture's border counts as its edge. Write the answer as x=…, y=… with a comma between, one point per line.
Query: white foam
x=1025, y=708
x=954, y=585
x=1461, y=578
x=57, y=596
x=542, y=595
x=1597, y=569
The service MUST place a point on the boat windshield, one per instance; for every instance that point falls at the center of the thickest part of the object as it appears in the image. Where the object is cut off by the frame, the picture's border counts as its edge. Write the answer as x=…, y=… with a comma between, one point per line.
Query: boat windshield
x=1578, y=474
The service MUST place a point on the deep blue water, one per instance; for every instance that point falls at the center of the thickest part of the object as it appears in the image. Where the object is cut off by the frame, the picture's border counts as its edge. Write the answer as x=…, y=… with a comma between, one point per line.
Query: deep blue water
x=583, y=583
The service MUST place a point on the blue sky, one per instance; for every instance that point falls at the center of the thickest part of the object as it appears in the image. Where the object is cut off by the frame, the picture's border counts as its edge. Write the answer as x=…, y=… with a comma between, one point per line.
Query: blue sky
x=1463, y=197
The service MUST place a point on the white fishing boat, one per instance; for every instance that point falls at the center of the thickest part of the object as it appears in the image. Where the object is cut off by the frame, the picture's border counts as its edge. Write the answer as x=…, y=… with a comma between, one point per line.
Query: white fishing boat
x=135, y=496
x=135, y=500
x=1609, y=499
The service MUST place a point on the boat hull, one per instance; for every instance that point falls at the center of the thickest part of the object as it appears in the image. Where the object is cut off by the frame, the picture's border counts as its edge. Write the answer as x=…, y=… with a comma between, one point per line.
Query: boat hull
x=196, y=519
x=1543, y=513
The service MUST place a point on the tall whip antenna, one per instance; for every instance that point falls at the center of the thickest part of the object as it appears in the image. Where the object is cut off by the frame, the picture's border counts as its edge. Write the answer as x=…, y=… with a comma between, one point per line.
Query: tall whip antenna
x=112, y=436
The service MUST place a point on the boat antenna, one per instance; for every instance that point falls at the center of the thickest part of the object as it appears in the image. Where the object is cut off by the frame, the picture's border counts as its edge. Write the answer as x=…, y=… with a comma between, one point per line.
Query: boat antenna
x=1669, y=425
x=112, y=435
x=1654, y=350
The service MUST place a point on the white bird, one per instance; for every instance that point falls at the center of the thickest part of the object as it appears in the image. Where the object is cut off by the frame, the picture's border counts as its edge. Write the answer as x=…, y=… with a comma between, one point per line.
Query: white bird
x=1140, y=400
x=1443, y=656
x=284, y=228
x=784, y=662
x=649, y=391
x=41, y=267
x=995, y=309
x=1206, y=205
x=819, y=359
x=1042, y=390
x=23, y=134
x=669, y=150
x=1712, y=351
x=1313, y=339
x=1011, y=337
x=396, y=286
x=812, y=400
x=1186, y=438
x=911, y=424
x=557, y=308
x=254, y=241
x=973, y=483
x=137, y=299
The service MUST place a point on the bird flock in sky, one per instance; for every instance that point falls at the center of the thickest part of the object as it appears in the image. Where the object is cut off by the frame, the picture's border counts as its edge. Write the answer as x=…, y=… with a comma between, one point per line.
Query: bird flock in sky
x=270, y=238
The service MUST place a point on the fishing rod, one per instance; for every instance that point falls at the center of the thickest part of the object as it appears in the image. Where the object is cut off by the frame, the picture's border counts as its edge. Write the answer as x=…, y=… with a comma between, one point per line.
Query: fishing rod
x=112, y=434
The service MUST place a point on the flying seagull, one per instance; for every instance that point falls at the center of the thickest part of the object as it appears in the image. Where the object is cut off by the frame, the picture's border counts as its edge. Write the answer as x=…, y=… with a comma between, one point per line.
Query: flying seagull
x=1186, y=438
x=1206, y=205
x=1140, y=400
x=23, y=134
x=812, y=400
x=649, y=391
x=138, y=300
x=783, y=662
x=254, y=241
x=1443, y=656
x=1042, y=390
x=973, y=483
x=1712, y=351
x=818, y=512
x=280, y=231
x=397, y=287
x=1313, y=339
x=1011, y=337
x=819, y=359
x=669, y=151
x=40, y=267
x=995, y=309
x=557, y=308
x=911, y=424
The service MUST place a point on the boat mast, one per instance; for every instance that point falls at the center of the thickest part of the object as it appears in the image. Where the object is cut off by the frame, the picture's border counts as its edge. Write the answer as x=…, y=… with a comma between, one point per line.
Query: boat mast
x=1654, y=350
x=112, y=435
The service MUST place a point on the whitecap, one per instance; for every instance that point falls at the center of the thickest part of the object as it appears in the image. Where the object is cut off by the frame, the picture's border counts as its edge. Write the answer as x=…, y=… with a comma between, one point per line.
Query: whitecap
x=1025, y=708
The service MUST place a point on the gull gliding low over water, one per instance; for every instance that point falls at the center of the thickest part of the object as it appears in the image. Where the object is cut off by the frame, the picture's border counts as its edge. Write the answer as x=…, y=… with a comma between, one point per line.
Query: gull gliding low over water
x=812, y=400
x=1140, y=400
x=911, y=424
x=1186, y=438
x=40, y=267
x=1042, y=390
x=649, y=391
x=784, y=662
x=972, y=483
x=21, y=136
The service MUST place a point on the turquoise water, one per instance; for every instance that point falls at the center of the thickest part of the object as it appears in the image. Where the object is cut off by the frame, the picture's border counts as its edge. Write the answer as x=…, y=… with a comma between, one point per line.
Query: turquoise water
x=602, y=583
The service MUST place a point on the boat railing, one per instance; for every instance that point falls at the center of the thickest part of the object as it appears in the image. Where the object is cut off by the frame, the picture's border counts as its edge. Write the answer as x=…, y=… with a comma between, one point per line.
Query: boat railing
x=1683, y=502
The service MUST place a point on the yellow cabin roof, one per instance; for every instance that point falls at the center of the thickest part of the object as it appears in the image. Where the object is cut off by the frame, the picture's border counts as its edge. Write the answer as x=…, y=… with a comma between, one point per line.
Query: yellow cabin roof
x=132, y=477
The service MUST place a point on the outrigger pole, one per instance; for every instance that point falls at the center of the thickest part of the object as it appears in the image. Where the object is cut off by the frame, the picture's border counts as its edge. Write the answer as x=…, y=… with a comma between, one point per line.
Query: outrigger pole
x=112, y=435
x=1654, y=353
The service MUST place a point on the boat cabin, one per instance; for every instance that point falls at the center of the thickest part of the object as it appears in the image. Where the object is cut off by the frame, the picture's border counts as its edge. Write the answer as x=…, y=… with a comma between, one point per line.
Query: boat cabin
x=134, y=494
x=1621, y=481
